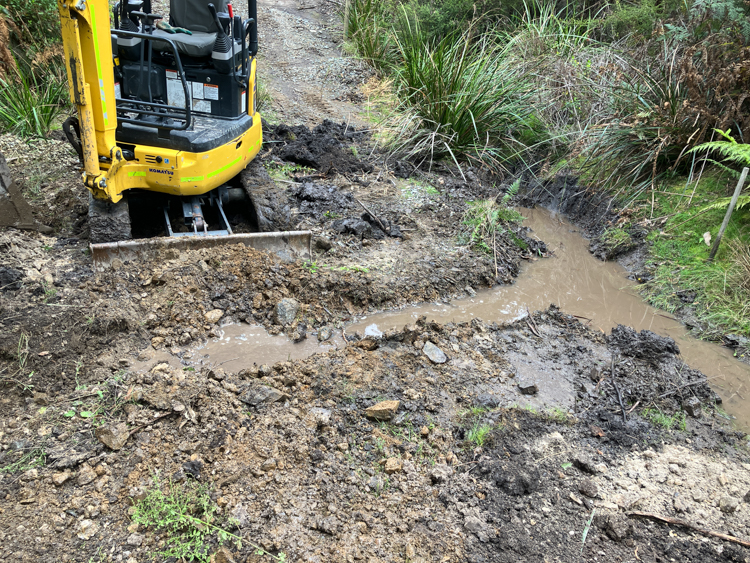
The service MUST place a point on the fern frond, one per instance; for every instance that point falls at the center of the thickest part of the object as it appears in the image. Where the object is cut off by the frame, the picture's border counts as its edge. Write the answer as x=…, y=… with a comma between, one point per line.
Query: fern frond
x=512, y=191
x=731, y=150
x=723, y=203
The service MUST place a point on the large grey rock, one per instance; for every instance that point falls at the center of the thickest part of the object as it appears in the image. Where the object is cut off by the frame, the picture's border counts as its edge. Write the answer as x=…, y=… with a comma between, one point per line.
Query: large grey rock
x=258, y=394
x=113, y=436
x=286, y=311
x=436, y=355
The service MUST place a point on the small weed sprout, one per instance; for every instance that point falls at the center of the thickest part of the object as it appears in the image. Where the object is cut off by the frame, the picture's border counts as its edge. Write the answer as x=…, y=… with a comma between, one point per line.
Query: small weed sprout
x=479, y=433
x=655, y=416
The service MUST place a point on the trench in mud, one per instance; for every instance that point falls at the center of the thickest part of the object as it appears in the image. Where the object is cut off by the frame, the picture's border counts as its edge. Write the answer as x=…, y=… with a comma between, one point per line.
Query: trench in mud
x=597, y=292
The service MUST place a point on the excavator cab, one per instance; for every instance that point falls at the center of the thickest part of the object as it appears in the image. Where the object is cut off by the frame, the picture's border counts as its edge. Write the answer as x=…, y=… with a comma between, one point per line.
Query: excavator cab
x=166, y=105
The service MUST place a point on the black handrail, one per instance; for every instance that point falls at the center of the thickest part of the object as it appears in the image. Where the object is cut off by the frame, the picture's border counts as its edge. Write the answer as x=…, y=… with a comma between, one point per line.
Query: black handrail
x=188, y=115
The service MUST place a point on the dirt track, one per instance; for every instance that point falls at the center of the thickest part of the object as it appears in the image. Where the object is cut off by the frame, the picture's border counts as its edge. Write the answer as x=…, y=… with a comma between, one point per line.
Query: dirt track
x=288, y=450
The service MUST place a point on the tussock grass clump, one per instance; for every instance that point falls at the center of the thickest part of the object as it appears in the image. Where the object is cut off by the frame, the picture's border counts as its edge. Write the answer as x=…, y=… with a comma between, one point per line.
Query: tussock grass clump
x=460, y=99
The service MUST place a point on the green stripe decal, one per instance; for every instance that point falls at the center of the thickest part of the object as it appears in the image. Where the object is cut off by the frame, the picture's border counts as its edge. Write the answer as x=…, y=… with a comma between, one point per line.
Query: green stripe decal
x=98, y=58
x=193, y=179
x=131, y=174
x=223, y=168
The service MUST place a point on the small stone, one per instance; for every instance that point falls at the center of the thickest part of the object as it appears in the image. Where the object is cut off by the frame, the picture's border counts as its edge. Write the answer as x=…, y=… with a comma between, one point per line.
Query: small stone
x=424, y=431
x=321, y=416
x=746, y=498
x=114, y=436
x=223, y=555
x=699, y=495
x=588, y=488
x=584, y=463
x=286, y=311
x=86, y=476
x=528, y=387
x=393, y=465
x=728, y=504
x=384, y=410
x=343, y=447
x=41, y=399
x=60, y=478
x=135, y=540
x=268, y=465
x=435, y=354
x=213, y=316
x=87, y=528
x=258, y=394
x=324, y=333
x=470, y=291
x=441, y=473
x=692, y=406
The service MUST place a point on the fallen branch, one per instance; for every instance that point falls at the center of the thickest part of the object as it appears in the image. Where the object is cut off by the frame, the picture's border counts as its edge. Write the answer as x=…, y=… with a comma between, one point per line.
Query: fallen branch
x=382, y=227
x=535, y=329
x=684, y=524
x=617, y=390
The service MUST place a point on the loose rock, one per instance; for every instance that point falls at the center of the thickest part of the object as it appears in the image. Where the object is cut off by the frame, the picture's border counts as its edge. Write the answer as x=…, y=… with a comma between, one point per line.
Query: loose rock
x=393, y=465
x=692, y=406
x=588, y=487
x=212, y=317
x=528, y=387
x=286, y=311
x=258, y=394
x=436, y=355
x=441, y=473
x=114, y=436
x=385, y=410
x=728, y=504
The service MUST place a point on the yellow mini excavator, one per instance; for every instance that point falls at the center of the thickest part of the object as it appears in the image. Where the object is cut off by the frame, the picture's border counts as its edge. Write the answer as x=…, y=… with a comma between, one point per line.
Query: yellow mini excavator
x=166, y=119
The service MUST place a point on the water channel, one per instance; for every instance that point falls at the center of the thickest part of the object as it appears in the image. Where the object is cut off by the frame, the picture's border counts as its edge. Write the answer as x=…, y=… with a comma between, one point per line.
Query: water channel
x=572, y=279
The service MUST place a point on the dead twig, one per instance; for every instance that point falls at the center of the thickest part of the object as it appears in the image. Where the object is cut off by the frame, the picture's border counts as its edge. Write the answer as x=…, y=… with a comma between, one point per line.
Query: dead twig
x=617, y=390
x=379, y=222
x=535, y=328
x=685, y=524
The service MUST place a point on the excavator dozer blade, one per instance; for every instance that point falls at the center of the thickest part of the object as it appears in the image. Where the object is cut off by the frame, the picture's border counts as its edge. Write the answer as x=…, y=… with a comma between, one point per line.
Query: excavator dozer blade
x=288, y=245
x=14, y=210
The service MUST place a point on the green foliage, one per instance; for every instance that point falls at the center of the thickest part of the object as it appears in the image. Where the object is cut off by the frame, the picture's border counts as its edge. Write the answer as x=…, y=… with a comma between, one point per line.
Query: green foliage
x=628, y=18
x=677, y=420
x=29, y=104
x=478, y=434
x=369, y=31
x=486, y=219
x=460, y=98
x=34, y=457
x=37, y=20
x=188, y=518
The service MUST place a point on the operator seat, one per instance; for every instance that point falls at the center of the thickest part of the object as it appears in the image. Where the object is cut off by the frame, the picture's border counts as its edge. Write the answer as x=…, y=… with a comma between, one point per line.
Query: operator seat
x=194, y=16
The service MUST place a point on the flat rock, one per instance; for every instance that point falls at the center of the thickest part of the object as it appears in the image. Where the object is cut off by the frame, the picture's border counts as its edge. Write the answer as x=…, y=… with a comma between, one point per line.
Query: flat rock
x=286, y=311
x=436, y=355
x=212, y=317
x=135, y=540
x=384, y=410
x=321, y=416
x=528, y=387
x=86, y=476
x=393, y=465
x=746, y=498
x=728, y=504
x=222, y=555
x=60, y=478
x=324, y=333
x=258, y=394
x=86, y=529
x=114, y=436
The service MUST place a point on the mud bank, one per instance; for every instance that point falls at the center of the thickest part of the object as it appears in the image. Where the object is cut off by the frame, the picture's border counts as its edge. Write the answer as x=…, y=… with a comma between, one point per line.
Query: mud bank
x=291, y=455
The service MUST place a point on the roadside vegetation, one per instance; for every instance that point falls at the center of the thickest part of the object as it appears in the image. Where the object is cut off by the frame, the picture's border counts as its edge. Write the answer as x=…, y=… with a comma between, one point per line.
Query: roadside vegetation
x=33, y=83
x=643, y=100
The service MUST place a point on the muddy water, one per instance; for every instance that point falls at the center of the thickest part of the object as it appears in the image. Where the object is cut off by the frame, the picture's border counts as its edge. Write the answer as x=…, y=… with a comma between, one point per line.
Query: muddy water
x=573, y=279
x=582, y=285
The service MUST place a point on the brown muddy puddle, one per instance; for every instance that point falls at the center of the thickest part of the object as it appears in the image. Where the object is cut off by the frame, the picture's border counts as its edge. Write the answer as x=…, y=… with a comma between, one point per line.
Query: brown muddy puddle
x=597, y=292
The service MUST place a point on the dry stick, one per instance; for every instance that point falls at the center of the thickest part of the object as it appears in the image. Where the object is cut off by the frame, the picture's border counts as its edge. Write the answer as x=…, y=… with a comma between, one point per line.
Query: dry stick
x=617, y=390
x=681, y=387
x=728, y=215
x=678, y=522
x=372, y=215
x=494, y=253
x=534, y=329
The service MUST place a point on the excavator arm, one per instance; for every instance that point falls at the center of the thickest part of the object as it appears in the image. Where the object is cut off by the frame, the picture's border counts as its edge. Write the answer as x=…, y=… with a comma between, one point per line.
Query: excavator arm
x=88, y=59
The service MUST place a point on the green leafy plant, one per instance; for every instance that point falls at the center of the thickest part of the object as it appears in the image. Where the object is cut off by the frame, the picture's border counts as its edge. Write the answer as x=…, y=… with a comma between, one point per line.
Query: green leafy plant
x=189, y=518
x=485, y=220
x=478, y=434
x=732, y=153
x=29, y=105
x=656, y=416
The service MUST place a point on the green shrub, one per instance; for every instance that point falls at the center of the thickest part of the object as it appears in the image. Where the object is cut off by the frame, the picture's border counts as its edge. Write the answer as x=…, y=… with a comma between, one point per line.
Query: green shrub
x=38, y=21
x=30, y=104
